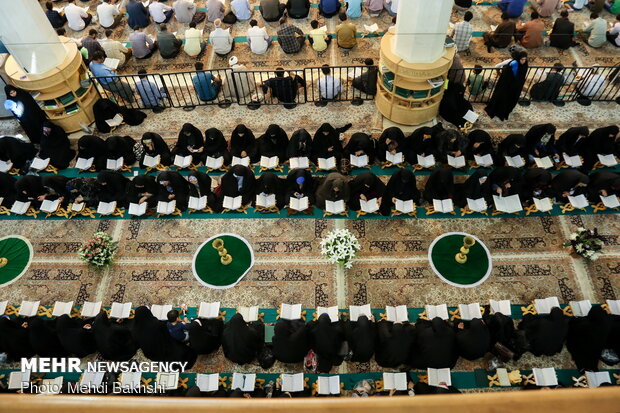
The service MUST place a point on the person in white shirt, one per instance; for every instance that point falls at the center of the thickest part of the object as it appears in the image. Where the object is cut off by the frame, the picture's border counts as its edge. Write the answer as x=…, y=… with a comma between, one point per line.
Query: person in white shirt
x=221, y=39
x=115, y=49
x=258, y=39
x=241, y=9
x=193, y=41
x=109, y=16
x=329, y=86
x=613, y=35
x=77, y=18
x=160, y=12
x=391, y=7
x=591, y=84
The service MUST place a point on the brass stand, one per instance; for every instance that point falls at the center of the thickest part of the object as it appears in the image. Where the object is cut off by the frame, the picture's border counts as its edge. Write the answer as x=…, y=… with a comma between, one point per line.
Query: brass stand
x=225, y=257
x=461, y=257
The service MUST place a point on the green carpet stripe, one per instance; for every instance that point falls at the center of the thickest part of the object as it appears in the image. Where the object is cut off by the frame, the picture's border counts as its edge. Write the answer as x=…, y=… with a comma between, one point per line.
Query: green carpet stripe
x=270, y=314
x=460, y=379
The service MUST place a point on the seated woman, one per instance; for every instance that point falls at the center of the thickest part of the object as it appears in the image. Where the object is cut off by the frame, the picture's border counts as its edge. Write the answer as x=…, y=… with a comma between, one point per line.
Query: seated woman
x=7, y=190
x=569, y=183
x=113, y=339
x=173, y=187
x=200, y=185
x=243, y=144
x=273, y=143
x=479, y=144
x=121, y=146
x=435, y=345
x=574, y=141
x=440, y=185
x=333, y=188
x=17, y=152
x=242, y=341
x=143, y=188
x=512, y=145
x=15, y=338
x=300, y=145
x=113, y=188
x=602, y=183
x=394, y=342
x=421, y=143
x=83, y=190
x=36, y=189
x=291, y=341
x=545, y=333
x=505, y=181
x=155, y=341
x=205, y=335
x=402, y=186
x=587, y=338
x=153, y=145
x=472, y=339
x=535, y=184
x=238, y=181
x=326, y=142
x=450, y=142
x=76, y=336
x=361, y=144
x=44, y=338
x=190, y=142
x=364, y=187
x=476, y=186
x=503, y=341
x=270, y=184
x=105, y=109
x=392, y=140
x=299, y=184
x=55, y=145
x=91, y=146
x=540, y=142
x=216, y=145
x=327, y=339
x=361, y=336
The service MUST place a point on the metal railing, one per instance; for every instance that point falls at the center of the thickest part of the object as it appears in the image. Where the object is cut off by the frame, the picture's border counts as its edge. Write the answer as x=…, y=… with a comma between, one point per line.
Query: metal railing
x=566, y=84
x=341, y=84
x=248, y=87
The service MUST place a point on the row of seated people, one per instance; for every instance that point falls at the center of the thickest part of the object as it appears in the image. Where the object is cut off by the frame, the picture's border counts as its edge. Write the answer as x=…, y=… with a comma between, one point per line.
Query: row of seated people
x=323, y=343
x=301, y=191
x=424, y=146
x=186, y=11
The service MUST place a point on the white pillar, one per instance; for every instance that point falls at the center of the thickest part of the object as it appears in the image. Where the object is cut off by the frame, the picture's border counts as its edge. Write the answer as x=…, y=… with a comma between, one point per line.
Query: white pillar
x=421, y=28
x=29, y=37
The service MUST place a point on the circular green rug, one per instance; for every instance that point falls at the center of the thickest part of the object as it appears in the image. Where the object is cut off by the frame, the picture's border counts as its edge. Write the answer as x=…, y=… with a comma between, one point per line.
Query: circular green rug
x=18, y=251
x=471, y=274
x=210, y=272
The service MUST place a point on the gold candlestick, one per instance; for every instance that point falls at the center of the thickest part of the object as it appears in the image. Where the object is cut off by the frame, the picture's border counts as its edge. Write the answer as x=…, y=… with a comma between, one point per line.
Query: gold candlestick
x=461, y=256
x=225, y=257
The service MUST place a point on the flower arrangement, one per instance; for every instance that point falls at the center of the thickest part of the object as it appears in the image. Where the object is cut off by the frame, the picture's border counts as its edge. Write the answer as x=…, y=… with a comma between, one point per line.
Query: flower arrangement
x=340, y=247
x=99, y=251
x=585, y=242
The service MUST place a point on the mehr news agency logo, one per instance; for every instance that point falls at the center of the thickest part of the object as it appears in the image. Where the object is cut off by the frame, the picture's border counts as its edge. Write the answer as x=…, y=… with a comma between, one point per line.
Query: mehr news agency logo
x=95, y=371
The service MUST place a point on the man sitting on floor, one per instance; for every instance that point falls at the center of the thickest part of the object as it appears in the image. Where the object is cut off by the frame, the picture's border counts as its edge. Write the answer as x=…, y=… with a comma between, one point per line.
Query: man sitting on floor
x=290, y=37
x=207, y=86
x=169, y=45
x=271, y=10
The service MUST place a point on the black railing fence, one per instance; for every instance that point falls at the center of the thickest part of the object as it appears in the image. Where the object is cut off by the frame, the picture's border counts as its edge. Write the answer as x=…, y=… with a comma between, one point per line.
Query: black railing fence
x=355, y=84
x=546, y=83
x=248, y=87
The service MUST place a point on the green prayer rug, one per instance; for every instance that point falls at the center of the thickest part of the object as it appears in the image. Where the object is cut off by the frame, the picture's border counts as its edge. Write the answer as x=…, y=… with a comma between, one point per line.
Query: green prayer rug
x=16, y=255
x=209, y=269
x=472, y=273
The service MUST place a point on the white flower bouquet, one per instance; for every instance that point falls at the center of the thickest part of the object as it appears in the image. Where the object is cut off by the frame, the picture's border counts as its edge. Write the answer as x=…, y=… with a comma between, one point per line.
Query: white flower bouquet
x=586, y=243
x=99, y=251
x=340, y=247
